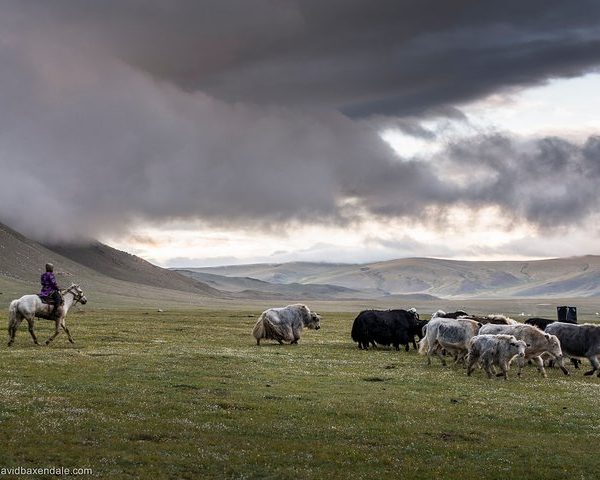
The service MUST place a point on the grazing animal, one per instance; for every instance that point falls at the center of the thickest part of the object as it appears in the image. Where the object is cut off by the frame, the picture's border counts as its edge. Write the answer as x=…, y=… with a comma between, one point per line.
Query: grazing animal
x=542, y=323
x=494, y=350
x=419, y=331
x=448, y=334
x=496, y=319
x=579, y=340
x=537, y=342
x=28, y=307
x=387, y=327
x=455, y=315
x=285, y=324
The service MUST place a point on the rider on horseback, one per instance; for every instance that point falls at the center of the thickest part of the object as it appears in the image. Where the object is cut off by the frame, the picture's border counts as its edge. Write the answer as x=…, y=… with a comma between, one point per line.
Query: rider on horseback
x=50, y=288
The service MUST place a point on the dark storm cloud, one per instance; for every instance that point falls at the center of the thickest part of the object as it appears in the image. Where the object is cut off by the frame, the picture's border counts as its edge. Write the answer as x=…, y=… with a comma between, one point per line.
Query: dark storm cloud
x=387, y=57
x=89, y=144
x=246, y=112
x=550, y=181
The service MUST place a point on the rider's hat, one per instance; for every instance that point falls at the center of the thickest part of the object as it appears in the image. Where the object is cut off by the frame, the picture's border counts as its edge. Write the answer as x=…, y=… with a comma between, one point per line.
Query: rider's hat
x=49, y=267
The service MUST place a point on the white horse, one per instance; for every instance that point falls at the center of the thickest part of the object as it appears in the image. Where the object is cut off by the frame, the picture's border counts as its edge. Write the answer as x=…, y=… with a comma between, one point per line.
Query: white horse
x=30, y=306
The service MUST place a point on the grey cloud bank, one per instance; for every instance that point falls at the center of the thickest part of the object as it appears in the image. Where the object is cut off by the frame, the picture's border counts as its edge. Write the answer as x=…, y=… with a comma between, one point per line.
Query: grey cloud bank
x=255, y=113
x=358, y=56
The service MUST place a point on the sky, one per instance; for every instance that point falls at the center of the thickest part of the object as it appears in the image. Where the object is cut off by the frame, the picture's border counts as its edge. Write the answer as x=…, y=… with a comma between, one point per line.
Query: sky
x=214, y=132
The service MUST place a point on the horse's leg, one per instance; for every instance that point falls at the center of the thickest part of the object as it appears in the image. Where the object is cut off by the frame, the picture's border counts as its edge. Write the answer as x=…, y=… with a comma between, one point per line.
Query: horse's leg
x=31, y=322
x=12, y=331
x=13, y=326
x=64, y=327
x=11, y=334
x=56, y=332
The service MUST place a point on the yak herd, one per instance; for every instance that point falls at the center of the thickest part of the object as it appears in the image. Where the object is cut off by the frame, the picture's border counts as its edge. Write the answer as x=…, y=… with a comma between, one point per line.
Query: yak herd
x=491, y=341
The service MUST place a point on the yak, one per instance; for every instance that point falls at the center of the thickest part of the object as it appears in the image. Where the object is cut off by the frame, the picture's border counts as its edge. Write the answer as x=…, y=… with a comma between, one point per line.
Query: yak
x=285, y=324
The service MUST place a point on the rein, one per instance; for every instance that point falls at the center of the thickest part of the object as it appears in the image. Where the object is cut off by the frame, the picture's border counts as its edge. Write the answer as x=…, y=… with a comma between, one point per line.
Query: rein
x=76, y=295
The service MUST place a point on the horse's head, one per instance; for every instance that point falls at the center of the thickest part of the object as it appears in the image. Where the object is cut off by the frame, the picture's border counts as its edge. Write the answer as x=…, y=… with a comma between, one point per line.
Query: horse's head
x=77, y=293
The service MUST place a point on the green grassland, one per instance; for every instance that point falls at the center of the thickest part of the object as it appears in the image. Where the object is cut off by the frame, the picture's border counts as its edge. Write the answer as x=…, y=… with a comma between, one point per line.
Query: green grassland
x=188, y=394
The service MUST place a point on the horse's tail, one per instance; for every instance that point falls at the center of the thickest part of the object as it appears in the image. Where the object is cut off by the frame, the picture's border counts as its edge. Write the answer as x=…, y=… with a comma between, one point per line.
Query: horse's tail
x=259, y=329
x=13, y=314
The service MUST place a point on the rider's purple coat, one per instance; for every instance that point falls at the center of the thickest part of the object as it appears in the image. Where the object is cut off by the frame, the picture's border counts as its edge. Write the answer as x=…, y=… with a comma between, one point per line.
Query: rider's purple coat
x=49, y=284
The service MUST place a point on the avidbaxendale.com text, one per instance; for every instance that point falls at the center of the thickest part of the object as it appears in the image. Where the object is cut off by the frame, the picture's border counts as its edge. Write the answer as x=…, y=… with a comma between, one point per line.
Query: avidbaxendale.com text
x=60, y=471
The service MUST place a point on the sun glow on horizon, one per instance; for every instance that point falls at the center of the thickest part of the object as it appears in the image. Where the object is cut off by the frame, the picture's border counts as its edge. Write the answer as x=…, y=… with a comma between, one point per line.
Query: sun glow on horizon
x=465, y=234
x=454, y=238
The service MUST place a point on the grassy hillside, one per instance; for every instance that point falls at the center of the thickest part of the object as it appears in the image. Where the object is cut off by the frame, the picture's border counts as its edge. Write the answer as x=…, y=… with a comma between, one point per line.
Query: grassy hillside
x=118, y=279
x=188, y=395
x=124, y=266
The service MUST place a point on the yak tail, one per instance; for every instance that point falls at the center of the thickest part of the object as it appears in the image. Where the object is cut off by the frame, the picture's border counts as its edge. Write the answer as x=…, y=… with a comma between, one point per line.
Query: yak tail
x=424, y=343
x=357, y=332
x=259, y=328
x=13, y=313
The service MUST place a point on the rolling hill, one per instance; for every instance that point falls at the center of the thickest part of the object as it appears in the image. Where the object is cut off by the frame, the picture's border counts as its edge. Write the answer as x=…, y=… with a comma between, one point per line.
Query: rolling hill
x=111, y=275
x=116, y=276
x=561, y=277
x=251, y=287
x=130, y=268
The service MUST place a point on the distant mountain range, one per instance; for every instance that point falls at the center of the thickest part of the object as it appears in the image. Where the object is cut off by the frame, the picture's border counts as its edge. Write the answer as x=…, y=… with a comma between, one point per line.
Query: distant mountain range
x=119, y=277
x=247, y=287
x=554, y=278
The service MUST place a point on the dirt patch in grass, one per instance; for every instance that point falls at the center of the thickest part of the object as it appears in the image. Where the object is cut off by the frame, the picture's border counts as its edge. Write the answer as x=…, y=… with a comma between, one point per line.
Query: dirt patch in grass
x=185, y=386
x=459, y=437
x=146, y=437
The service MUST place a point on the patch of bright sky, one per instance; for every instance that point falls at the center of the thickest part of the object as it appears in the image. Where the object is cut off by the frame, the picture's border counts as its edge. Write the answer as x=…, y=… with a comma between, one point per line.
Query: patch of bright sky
x=565, y=107
x=185, y=247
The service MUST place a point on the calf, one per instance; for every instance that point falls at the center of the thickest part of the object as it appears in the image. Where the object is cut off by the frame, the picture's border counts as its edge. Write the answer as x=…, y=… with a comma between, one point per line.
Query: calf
x=579, y=341
x=537, y=342
x=450, y=334
x=494, y=350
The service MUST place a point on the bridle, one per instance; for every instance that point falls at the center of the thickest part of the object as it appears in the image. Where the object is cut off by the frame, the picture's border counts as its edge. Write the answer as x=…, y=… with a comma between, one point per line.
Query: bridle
x=73, y=290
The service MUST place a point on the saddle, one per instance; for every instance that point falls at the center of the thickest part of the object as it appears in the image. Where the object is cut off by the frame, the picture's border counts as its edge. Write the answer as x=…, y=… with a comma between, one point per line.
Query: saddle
x=46, y=300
